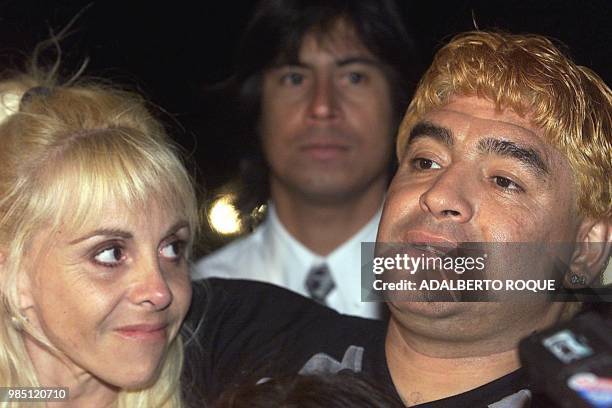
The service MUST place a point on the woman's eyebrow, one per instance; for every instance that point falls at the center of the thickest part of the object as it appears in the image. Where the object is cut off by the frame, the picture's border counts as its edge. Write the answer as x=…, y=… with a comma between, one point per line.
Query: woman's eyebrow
x=177, y=226
x=119, y=233
x=107, y=232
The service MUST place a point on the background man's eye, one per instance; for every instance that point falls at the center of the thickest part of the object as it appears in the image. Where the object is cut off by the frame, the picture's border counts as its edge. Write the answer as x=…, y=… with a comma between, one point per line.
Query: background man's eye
x=293, y=78
x=355, y=77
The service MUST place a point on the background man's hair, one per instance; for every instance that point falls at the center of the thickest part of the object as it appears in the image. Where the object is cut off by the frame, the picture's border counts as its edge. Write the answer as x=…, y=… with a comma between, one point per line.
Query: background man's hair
x=275, y=33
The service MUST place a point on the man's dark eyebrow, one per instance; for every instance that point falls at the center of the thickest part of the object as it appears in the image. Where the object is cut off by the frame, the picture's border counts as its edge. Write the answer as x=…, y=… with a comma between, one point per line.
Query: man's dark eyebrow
x=357, y=60
x=106, y=232
x=291, y=64
x=526, y=155
x=428, y=129
x=340, y=63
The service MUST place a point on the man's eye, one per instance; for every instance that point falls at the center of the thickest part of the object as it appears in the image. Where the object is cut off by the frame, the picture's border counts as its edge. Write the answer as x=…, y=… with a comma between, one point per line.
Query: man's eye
x=112, y=256
x=425, y=164
x=173, y=251
x=292, y=78
x=507, y=184
x=355, y=77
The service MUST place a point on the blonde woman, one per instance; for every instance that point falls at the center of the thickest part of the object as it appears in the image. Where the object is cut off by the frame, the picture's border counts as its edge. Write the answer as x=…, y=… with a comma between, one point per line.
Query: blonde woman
x=97, y=216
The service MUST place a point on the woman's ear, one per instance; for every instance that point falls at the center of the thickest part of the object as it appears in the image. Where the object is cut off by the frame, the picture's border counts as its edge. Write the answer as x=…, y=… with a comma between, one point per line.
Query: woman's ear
x=591, y=254
x=24, y=290
x=2, y=263
x=24, y=286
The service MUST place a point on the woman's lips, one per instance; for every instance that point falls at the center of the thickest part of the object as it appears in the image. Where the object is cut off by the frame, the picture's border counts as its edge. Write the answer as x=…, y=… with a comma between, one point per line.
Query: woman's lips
x=151, y=332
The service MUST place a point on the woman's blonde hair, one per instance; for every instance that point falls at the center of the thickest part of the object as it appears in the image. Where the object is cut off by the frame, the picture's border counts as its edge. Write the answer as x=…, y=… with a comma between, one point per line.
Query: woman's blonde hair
x=65, y=151
x=530, y=75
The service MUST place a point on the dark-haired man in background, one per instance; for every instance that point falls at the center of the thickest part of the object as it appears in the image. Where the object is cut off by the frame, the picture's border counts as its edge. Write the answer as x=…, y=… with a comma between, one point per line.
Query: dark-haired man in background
x=326, y=83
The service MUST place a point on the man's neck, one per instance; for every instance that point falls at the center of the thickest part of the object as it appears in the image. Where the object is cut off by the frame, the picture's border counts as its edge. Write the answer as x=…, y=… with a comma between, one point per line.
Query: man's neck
x=323, y=226
x=420, y=378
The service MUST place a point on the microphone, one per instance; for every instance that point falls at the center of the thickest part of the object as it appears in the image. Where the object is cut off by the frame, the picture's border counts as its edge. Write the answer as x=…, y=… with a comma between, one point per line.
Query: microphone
x=570, y=365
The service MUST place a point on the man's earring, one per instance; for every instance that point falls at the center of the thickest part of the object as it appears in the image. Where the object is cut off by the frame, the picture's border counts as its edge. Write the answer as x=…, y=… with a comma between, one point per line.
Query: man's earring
x=577, y=280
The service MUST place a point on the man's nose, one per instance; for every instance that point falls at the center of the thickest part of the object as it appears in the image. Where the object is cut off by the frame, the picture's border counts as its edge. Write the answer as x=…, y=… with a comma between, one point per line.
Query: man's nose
x=323, y=104
x=449, y=197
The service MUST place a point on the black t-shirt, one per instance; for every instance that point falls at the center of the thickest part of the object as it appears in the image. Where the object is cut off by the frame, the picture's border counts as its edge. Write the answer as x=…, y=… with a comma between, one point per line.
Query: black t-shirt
x=243, y=331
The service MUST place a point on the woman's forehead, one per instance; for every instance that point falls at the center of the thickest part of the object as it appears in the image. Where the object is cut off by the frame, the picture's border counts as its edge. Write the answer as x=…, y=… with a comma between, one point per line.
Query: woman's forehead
x=116, y=213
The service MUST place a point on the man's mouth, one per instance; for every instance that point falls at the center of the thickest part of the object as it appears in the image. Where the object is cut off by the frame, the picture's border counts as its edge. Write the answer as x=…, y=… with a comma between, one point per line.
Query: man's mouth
x=428, y=238
x=324, y=151
x=434, y=250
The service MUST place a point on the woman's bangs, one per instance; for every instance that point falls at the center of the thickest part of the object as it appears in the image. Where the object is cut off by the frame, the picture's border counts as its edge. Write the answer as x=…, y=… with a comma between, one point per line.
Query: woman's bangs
x=113, y=168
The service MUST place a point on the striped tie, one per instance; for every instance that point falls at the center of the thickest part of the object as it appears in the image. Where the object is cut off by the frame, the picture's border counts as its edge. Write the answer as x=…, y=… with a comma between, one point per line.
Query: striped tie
x=319, y=283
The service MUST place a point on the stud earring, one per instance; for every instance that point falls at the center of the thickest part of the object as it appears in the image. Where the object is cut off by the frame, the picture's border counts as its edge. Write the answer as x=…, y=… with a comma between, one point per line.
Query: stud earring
x=577, y=280
x=19, y=321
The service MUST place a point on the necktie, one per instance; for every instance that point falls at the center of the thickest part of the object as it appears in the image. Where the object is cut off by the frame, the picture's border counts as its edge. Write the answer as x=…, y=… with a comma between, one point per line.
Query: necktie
x=319, y=283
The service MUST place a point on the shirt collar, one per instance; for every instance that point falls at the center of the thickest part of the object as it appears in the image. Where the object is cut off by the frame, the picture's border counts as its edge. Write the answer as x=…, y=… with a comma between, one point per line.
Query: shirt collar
x=296, y=260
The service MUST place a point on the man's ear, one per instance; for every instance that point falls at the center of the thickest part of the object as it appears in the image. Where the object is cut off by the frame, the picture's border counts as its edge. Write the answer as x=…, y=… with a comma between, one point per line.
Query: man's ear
x=592, y=252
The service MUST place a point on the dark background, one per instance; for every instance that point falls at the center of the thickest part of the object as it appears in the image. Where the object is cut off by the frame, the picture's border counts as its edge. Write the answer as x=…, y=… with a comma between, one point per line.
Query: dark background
x=174, y=51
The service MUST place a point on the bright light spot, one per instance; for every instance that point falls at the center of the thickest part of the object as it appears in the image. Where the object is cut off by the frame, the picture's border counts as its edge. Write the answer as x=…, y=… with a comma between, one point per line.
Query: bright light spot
x=223, y=216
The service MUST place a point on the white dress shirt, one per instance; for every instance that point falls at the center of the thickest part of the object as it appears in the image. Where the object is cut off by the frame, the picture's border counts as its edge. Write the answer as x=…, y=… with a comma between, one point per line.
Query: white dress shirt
x=271, y=254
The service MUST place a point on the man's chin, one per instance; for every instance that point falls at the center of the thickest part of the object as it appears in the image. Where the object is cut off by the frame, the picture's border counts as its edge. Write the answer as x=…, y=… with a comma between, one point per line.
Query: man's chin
x=428, y=309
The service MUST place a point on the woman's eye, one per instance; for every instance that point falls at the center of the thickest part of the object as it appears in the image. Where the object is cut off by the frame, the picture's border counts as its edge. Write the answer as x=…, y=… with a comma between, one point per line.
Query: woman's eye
x=112, y=256
x=507, y=184
x=425, y=164
x=173, y=250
